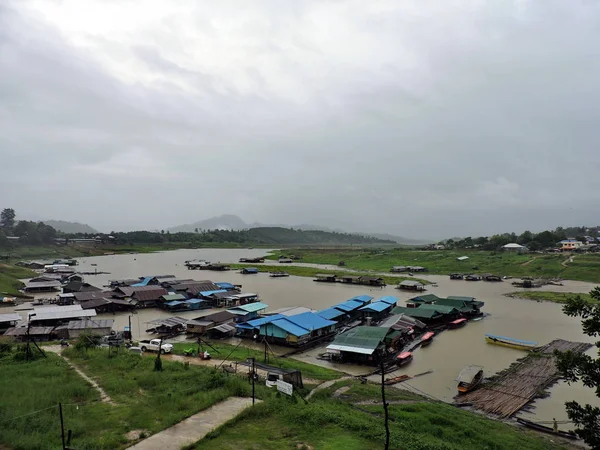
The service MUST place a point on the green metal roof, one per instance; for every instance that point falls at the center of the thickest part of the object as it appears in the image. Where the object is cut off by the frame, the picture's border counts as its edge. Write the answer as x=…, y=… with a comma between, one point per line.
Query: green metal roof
x=459, y=304
x=360, y=339
x=442, y=309
x=422, y=313
x=173, y=297
x=425, y=298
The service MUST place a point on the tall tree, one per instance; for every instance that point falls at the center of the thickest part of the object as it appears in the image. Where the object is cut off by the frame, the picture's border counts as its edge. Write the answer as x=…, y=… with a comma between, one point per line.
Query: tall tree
x=577, y=366
x=7, y=218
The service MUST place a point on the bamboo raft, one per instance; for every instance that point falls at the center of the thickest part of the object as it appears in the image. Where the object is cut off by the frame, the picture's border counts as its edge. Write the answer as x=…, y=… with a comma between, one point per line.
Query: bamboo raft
x=511, y=390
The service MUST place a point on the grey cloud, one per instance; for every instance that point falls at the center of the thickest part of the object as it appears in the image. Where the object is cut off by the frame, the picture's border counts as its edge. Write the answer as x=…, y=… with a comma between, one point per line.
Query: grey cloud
x=426, y=120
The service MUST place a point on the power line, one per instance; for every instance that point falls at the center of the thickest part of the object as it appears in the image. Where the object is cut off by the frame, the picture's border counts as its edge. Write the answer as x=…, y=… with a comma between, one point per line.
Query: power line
x=29, y=414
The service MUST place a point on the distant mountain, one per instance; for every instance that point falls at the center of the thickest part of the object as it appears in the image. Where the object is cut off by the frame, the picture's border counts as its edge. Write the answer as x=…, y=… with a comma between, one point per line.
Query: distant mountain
x=235, y=223
x=288, y=236
x=224, y=222
x=70, y=227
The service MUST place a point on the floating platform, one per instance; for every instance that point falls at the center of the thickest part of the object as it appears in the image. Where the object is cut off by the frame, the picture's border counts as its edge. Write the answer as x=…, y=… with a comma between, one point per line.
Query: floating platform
x=511, y=390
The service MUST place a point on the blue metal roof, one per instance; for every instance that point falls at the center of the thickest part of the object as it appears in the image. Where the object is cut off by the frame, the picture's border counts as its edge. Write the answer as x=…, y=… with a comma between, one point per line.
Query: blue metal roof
x=330, y=313
x=290, y=327
x=511, y=339
x=310, y=321
x=376, y=306
x=362, y=298
x=207, y=293
x=225, y=285
x=390, y=299
x=350, y=305
x=174, y=303
x=144, y=282
x=195, y=301
x=250, y=269
x=256, y=323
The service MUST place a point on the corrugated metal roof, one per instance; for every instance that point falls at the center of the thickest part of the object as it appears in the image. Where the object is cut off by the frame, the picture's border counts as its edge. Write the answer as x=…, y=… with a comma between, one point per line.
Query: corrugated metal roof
x=10, y=317
x=224, y=328
x=194, y=301
x=249, y=308
x=90, y=324
x=215, y=291
x=363, y=340
x=401, y=321
x=172, y=297
x=174, y=303
x=42, y=284
x=51, y=309
x=225, y=285
x=144, y=282
x=425, y=298
x=290, y=327
x=33, y=331
x=292, y=310
x=311, y=321
x=244, y=295
x=169, y=321
x=376, y=307
x=350, y=305
x=256, y=323
x=362, y=298
x=128, y=291
x=439, y=308
x=388, y=299
x=62, y=315
x=149, y=295
x=221, y=316
x=410, y=283
x=416, y=312
x=330, y=313
x=92, y=304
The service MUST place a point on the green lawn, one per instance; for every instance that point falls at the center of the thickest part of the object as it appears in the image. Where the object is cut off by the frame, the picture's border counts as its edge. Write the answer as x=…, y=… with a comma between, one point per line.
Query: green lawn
x=146, y=400
x=583, y=267
x=336, y=424
x=555, y=297
x=242, y=353
x=9, y=278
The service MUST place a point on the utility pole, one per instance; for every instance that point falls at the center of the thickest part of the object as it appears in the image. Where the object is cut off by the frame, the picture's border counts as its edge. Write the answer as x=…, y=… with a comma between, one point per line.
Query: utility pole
x=253, y=379
x=130, y=330
x=62, y=427
x=385, y=405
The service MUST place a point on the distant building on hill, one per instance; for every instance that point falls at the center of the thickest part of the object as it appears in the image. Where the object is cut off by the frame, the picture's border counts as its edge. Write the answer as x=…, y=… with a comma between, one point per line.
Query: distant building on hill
x=570, y=244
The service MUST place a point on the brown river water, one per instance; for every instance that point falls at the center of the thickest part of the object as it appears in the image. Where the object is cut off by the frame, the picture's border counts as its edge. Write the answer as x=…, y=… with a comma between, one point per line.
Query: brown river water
x=448, y=354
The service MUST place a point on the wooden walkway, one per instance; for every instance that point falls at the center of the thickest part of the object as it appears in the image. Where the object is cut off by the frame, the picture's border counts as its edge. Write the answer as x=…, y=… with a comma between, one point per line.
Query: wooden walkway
x=509, y=391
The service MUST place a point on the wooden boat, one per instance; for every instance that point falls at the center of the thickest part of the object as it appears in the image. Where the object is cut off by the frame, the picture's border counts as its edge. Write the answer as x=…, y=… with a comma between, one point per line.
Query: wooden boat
x=427, y=338
x=395, y=380
x=278, y=274
x=457, y=276
x=469, y=378
x=457, y=323
x=545, y=429
x=510, y=342
x=404, y=358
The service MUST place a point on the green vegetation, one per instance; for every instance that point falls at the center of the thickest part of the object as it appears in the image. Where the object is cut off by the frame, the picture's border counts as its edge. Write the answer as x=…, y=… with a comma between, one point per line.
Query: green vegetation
x=144, y=399
x=9, y=278
x=302, y=271
x=336, y=423
x=583, y=267
x=576, y=367
x=555, y=297
x=241, y=353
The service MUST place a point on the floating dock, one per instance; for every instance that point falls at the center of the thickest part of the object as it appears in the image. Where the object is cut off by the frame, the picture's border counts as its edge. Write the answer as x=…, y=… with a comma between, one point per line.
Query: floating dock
x=511, y=390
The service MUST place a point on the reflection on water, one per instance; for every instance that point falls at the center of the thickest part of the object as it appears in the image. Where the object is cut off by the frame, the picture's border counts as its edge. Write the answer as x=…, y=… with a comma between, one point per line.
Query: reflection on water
x=448, y=354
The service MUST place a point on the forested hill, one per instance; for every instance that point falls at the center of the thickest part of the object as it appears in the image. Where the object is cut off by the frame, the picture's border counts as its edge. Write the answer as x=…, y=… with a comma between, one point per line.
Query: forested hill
x=252, y=236
x=279, y=235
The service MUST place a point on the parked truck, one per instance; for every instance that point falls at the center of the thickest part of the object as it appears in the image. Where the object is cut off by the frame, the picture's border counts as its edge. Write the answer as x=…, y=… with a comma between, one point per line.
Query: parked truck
x=154, y=345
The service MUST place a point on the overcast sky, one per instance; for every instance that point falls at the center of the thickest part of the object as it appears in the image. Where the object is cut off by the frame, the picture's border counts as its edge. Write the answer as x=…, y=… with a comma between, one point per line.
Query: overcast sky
x=426, y=119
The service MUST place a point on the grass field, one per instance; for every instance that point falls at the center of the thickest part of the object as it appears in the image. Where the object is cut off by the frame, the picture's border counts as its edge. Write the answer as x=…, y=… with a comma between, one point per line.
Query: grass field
x=301, y=271
x=9, y=278
x=583, y=267
x=241, y=353
x=555, y=297
x=337, y=424
x=145, y=400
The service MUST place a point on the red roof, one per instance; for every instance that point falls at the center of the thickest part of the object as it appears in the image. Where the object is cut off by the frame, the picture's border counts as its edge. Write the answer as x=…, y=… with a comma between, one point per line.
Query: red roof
x=428, y=335
x=404, y=355
x=457, y=321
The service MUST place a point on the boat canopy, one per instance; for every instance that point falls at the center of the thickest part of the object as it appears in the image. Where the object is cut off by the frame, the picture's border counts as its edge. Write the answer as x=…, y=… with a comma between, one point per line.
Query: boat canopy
x=458, y=321
x=427, y=335
x=404, y=355
x=468, y=374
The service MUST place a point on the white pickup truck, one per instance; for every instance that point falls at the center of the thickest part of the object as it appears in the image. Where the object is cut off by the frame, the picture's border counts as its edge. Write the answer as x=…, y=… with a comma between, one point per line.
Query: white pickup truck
x=153, y=346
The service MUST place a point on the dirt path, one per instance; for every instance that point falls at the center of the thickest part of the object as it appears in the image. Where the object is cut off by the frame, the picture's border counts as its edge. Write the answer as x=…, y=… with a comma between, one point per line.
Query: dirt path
x=325, y=385
x=526, y=263
x=104, y=397
x=567, y=261
x=195, y=427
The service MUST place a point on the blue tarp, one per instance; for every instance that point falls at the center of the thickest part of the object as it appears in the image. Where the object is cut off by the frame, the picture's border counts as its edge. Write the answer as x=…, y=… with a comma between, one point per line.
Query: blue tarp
x=362, y=298
x=350, y=305
x=174, y=303
x=144, y=282
x=390, y=299
x=310, y=321
x=225, y=285
x=376, y=306
x=195, y=301
x=330, y=313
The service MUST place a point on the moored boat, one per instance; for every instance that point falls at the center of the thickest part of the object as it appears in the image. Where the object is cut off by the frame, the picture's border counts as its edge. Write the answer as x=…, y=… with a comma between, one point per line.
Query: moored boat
x=278, y=274
x=510, y=342
x=427, y=338
x=404, y=358
x=396, y=380
x=469, y=378
x=545, y=429
x=457, y=323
